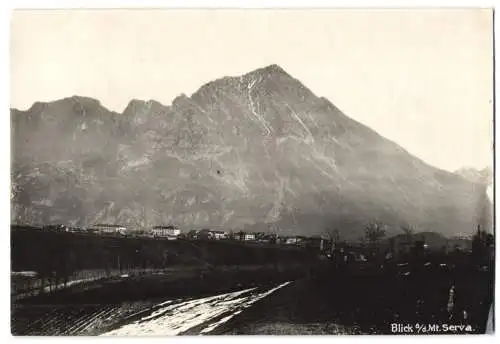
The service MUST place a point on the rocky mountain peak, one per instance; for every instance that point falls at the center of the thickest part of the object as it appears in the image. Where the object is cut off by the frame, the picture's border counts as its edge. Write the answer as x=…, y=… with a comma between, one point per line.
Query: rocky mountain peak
x=245, y=151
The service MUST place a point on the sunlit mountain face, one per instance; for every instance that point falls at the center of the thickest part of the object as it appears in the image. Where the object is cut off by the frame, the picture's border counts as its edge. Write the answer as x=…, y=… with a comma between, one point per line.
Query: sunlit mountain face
x=254, y=152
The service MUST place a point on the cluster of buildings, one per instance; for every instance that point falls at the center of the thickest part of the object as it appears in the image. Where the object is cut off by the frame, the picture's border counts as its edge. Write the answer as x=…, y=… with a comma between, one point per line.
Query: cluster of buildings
x=262, y=237
x=173, y=233
x=170, y=232
x=210, y=234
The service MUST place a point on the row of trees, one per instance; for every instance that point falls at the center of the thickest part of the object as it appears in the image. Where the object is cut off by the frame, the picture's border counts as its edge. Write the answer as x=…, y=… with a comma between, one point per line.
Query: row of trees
x=482, y=241
x=482, y=247
x=374, y=233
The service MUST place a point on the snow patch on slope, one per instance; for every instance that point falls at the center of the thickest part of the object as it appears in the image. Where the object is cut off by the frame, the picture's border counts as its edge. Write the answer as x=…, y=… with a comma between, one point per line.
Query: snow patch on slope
x=174, y=319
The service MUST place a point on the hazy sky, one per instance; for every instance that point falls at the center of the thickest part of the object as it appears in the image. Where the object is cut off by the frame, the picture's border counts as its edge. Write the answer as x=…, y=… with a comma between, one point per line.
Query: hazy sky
x=421, y=78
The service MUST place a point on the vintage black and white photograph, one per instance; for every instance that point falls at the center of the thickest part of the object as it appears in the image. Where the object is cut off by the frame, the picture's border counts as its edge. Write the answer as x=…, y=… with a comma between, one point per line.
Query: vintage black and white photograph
x=251, y=172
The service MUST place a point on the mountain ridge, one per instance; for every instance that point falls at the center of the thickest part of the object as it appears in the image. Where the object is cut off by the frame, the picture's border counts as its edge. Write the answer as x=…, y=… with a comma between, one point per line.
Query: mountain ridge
x=136, y=102
x=483, y=175
x=250, y=151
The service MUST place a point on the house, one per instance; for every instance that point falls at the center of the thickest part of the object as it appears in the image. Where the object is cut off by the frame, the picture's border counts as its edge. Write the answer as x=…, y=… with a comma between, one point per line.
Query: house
x=204, y=234
x=219, y=235
x=73, y=229
x=192, y=234
x=294, y=240
x=325, y=244
x=249, y=237
x=209, y=234
x=243, y=236
x=170, y=232
x=108, y=229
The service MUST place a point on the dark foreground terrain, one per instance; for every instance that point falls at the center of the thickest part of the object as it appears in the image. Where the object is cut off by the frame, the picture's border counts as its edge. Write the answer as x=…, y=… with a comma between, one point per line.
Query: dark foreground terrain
x=368, y=305
x=293, y=301
x=98, y=307
x=239, y=289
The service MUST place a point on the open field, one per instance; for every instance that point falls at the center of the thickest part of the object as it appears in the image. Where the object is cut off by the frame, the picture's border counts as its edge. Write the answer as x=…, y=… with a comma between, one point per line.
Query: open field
x=342, y=304
x=235, y=288
x=61, y=259
x=253, y=302
x=108, y=304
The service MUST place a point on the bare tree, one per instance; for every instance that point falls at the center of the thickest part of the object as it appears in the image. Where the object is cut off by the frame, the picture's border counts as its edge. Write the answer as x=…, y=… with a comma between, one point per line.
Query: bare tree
x=408, y=231
x=334, y=235
x=374, y=232
x=361, y=240
x=482, y=243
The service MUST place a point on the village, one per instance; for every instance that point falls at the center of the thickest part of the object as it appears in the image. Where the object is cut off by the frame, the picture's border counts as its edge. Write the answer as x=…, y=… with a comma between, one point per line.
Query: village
x=373, y=244
x=171, y=232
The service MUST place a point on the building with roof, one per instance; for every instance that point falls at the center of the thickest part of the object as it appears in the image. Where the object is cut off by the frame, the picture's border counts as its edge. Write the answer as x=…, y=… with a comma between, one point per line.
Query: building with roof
x=170, y=232
x=108, y=229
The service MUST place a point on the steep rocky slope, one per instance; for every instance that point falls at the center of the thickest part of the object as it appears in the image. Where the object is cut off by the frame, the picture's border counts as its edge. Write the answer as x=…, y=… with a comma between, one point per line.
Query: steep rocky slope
x=255, y=151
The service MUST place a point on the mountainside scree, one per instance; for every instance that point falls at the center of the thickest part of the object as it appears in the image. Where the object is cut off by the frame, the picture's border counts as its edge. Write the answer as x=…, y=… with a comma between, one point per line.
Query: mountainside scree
x=252, y=152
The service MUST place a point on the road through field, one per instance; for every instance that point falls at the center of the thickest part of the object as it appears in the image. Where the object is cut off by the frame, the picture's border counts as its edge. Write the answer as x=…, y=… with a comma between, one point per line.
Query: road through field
x=195, y=316
x=328, y=303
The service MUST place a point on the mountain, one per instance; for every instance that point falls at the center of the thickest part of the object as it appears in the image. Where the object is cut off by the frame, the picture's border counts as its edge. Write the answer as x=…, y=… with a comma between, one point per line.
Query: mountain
x=483, y=176
x=252, y=152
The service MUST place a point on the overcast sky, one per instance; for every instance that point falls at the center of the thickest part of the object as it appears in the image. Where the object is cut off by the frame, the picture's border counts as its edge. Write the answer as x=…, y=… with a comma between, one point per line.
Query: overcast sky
x=423, y=79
